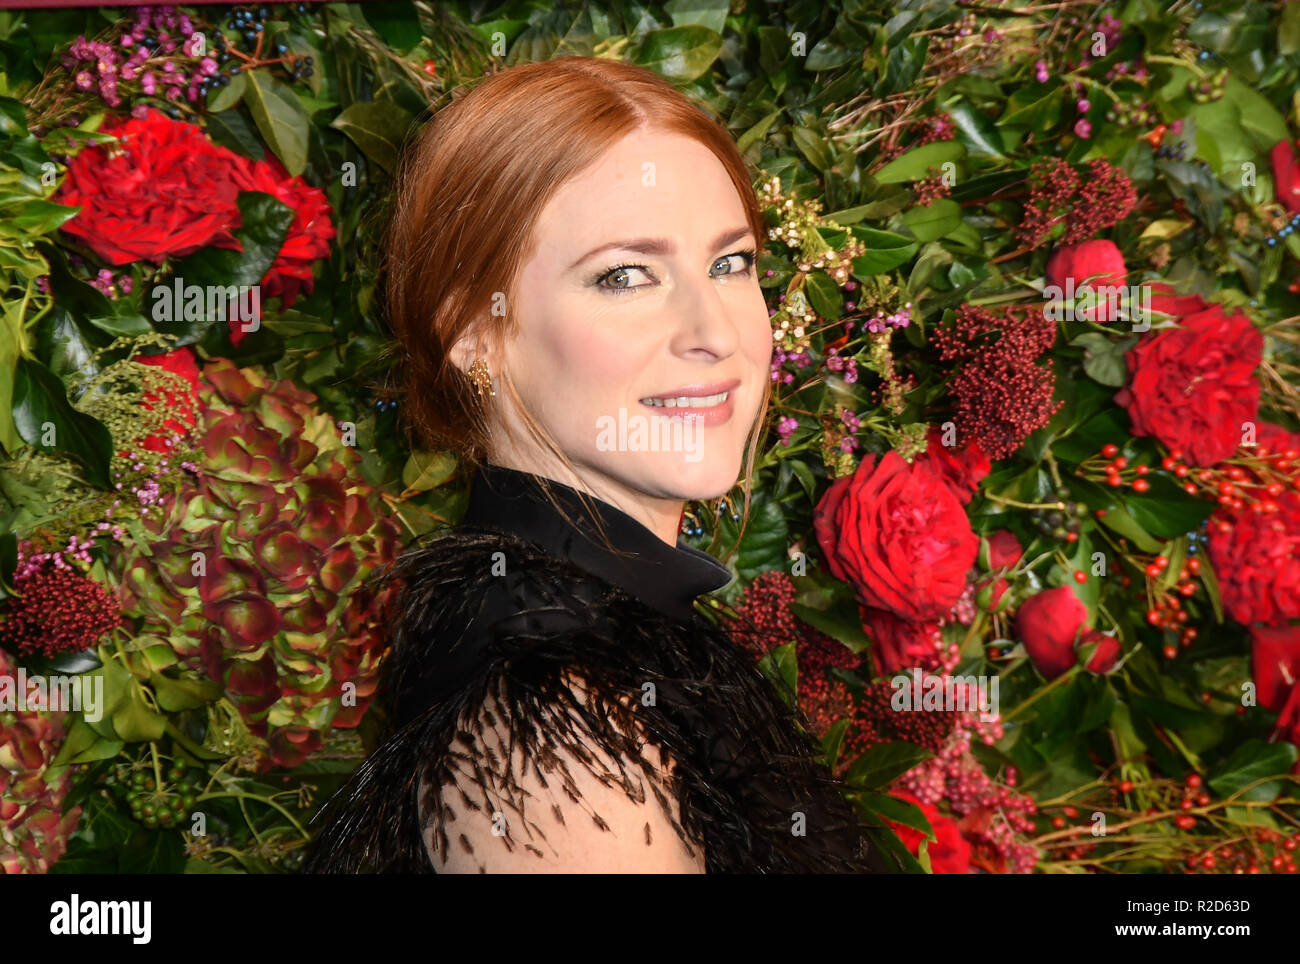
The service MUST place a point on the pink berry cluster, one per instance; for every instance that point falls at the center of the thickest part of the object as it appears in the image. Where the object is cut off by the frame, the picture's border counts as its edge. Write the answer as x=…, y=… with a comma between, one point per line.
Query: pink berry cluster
x=993, y=817
x=158, y=53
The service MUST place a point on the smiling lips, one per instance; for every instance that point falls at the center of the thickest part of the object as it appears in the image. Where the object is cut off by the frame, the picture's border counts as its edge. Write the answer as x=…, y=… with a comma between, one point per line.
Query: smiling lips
x=711, y=404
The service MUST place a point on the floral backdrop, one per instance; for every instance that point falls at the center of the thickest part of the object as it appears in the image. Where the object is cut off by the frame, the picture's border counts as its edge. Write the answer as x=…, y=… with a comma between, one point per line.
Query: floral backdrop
x=1033, y=458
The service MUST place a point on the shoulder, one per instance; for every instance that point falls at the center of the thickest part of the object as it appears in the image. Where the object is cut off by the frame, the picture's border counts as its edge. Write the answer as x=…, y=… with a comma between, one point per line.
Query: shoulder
x=545, y=793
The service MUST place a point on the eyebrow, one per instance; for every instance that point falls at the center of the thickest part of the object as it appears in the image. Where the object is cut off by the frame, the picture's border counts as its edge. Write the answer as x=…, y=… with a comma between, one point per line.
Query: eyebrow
x=660, y=246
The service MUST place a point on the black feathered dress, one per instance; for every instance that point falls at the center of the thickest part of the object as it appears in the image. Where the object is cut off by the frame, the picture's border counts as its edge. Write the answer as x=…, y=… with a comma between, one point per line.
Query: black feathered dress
x=506, y=605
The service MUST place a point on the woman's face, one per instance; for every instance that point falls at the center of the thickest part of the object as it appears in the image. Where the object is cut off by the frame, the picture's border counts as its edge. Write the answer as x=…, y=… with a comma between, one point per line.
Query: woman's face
x=642, y=286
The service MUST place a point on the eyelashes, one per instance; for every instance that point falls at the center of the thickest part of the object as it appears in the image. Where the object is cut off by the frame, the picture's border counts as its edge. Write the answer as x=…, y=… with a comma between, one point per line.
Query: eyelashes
x=748, y=254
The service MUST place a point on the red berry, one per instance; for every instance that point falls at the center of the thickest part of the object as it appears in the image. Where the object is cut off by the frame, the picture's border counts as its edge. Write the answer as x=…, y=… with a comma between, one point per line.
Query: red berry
x=1110, y=450
x=1126, y=786
x=1080, y=576
x=1141, y=485
x=1193, y=780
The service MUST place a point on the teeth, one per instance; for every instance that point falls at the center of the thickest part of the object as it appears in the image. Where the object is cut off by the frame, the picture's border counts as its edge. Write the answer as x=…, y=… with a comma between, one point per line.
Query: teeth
x=685, y=401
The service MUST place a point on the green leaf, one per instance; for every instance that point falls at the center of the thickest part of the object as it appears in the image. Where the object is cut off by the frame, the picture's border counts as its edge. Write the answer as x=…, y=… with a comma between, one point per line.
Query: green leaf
x=885, y=251
x=183, y=694
x=915, y=164
x=766, y=536
x=679, y=54
x=398, y=23
x=824, y=295
x=932, y=222
x=89, y=304
x=705, y=13
x=41, y=404
x=134, y=721
x=975, y=130
x=1103, y=358
x=280, y=118
x=881, y=764
x=1165, y=510
x=231, y=130
x=780, y=665
x=377, y=128
x=154, y=852
x=896, y=809
x=83, y=745
x=428, y=470
x=754, y=136
x=1253, y=760
x=1037, y=106
x=814, y=147
x=224, y=98
x=840, y=621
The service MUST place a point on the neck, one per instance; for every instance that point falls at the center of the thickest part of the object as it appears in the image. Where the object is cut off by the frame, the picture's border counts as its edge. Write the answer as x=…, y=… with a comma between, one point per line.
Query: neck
x=662, y=516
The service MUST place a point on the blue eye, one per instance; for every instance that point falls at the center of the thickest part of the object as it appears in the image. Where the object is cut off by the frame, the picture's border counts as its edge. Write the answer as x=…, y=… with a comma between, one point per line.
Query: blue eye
x=615, y=272
x=746, y=261
x=621, y=273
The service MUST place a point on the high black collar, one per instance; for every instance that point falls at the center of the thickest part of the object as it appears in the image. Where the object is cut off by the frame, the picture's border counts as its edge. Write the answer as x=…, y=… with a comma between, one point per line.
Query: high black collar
x=665, y=578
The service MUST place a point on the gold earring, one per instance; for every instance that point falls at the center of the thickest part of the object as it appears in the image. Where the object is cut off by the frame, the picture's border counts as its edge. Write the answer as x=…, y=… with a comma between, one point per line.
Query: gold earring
x=482, y=378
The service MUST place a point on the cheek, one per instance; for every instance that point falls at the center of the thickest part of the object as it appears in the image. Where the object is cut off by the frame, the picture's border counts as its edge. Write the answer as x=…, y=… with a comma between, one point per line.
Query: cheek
x=579, y=359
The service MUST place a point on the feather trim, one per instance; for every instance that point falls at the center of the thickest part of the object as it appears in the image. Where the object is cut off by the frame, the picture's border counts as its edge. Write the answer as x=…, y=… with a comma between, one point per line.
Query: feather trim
x=743, y=761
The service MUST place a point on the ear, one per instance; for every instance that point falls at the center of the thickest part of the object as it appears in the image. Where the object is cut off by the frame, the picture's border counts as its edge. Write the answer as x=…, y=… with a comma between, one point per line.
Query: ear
x=468, y=348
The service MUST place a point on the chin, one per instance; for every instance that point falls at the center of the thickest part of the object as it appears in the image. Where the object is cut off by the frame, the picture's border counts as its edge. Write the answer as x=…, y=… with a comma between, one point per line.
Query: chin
x=711, y=476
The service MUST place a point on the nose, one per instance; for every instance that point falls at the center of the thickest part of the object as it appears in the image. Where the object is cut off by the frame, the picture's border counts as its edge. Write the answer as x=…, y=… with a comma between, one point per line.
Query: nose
x=707, y=318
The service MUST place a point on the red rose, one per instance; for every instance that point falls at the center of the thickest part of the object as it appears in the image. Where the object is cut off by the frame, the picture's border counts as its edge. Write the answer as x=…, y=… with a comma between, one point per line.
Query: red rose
x=1194, y=386
x=1089, y=264
x=899, y=644
x=1257, y=561
x=1047, y=624
x=1275, y=657
x=1286, y=175
x=961, y=467
x=309, y=235
x=949, y=851
x=184, y=405
x=898, y=535
x=1165, y=301
x=1004, y=549
x=164, y=190
x=1105, y=656
x=1004, y=552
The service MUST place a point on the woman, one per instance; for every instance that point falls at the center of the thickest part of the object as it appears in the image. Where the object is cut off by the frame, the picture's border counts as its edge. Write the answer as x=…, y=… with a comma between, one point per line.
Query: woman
x=572, y=280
